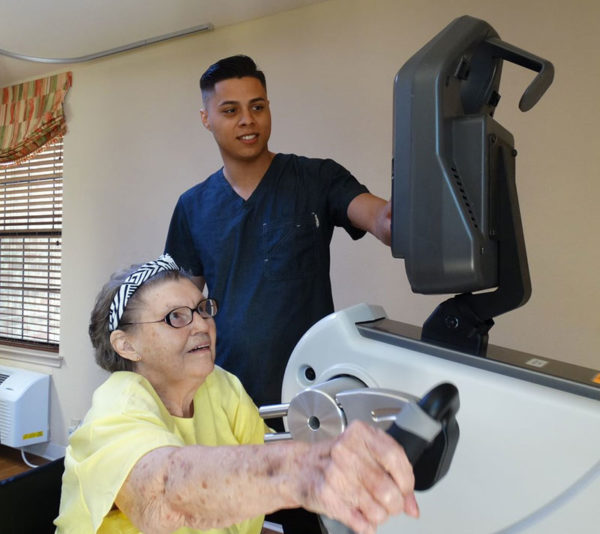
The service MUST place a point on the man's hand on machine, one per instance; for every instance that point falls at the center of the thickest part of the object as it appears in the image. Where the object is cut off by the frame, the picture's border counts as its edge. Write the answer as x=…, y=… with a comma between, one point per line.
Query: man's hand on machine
x=361, y=478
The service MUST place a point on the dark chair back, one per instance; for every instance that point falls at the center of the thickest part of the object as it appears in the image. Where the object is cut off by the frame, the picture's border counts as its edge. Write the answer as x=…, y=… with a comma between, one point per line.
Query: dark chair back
x=29, y=501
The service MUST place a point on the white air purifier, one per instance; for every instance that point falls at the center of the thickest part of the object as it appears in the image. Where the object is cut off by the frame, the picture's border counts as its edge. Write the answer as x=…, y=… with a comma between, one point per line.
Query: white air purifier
x=24, y=413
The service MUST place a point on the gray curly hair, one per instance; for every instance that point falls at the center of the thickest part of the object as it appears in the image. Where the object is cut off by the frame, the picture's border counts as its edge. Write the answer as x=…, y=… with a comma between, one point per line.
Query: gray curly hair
x=99, y=333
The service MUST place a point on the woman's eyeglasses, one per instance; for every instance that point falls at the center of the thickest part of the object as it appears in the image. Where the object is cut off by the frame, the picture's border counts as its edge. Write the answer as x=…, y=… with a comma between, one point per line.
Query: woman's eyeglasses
x=182, y=316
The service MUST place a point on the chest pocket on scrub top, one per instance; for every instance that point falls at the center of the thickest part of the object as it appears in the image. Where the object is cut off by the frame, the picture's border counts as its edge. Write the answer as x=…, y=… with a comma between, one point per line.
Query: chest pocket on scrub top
x=290, y=247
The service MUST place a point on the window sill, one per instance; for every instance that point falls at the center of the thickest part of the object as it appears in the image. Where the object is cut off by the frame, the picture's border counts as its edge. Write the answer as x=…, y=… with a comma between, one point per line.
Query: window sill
x=39, y=357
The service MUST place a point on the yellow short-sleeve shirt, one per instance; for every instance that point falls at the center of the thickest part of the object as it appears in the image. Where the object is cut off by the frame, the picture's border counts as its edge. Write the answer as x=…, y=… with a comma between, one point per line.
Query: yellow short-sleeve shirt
x=126, y=421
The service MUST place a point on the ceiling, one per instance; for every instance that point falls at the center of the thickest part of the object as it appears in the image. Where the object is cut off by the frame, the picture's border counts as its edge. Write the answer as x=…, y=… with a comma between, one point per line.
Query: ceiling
x=75, y=28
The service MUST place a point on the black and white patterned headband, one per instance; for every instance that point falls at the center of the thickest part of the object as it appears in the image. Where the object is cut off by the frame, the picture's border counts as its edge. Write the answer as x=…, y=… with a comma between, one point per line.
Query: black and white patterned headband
x=132, y=283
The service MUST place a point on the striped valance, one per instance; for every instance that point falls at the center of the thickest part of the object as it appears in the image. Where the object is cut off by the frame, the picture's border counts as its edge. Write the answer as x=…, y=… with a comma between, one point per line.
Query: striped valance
x=31, y=115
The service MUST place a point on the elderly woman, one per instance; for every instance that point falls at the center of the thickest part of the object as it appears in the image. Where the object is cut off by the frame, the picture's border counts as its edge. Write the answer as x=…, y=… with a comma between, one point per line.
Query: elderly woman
x=154, y=453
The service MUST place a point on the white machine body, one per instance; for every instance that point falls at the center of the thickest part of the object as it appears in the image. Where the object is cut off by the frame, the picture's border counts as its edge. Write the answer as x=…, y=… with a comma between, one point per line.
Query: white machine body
x=528, y=456
x=24, y=411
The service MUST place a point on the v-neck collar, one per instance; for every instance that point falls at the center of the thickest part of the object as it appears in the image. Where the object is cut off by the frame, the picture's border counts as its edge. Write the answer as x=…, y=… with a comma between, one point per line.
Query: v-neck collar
x=271, y=170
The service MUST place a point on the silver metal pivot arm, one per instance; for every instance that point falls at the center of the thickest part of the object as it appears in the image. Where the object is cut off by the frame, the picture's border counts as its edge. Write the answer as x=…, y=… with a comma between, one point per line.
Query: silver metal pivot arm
x=313, y=414
x=426, y=427
x=325, y=410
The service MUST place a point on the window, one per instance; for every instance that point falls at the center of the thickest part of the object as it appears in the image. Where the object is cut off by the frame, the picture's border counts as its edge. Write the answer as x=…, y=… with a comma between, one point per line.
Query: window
x=30, y=250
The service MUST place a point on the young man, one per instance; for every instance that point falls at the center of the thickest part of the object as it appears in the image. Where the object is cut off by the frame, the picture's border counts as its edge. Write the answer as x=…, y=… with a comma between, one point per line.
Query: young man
x=258, y=231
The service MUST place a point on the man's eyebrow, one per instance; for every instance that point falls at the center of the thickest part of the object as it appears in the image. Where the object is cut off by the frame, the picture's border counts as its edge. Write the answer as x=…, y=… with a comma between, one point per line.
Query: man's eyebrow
x=236, y=102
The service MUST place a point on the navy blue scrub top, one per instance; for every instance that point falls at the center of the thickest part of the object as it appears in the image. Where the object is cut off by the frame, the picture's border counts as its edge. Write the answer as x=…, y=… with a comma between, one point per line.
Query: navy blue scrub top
x=266, y=260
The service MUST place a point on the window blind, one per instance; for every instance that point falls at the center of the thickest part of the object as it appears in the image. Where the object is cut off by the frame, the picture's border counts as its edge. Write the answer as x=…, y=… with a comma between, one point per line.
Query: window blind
x=30, y=249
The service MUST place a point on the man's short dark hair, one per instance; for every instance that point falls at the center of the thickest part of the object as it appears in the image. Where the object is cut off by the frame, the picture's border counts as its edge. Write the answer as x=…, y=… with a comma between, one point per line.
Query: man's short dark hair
x=238, y=66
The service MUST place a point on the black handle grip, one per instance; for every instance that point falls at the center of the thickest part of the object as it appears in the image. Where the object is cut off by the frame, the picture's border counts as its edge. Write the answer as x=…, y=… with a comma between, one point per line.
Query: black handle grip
x=431, y=457
x=441, y=403
x=412, y=444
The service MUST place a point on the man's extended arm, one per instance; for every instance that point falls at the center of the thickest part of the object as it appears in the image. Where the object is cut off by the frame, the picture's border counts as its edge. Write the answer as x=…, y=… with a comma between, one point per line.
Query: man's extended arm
x=372, y=214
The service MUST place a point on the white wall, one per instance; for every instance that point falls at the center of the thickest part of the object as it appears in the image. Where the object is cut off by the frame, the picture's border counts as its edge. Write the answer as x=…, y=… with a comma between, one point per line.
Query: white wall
x=135, y=142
